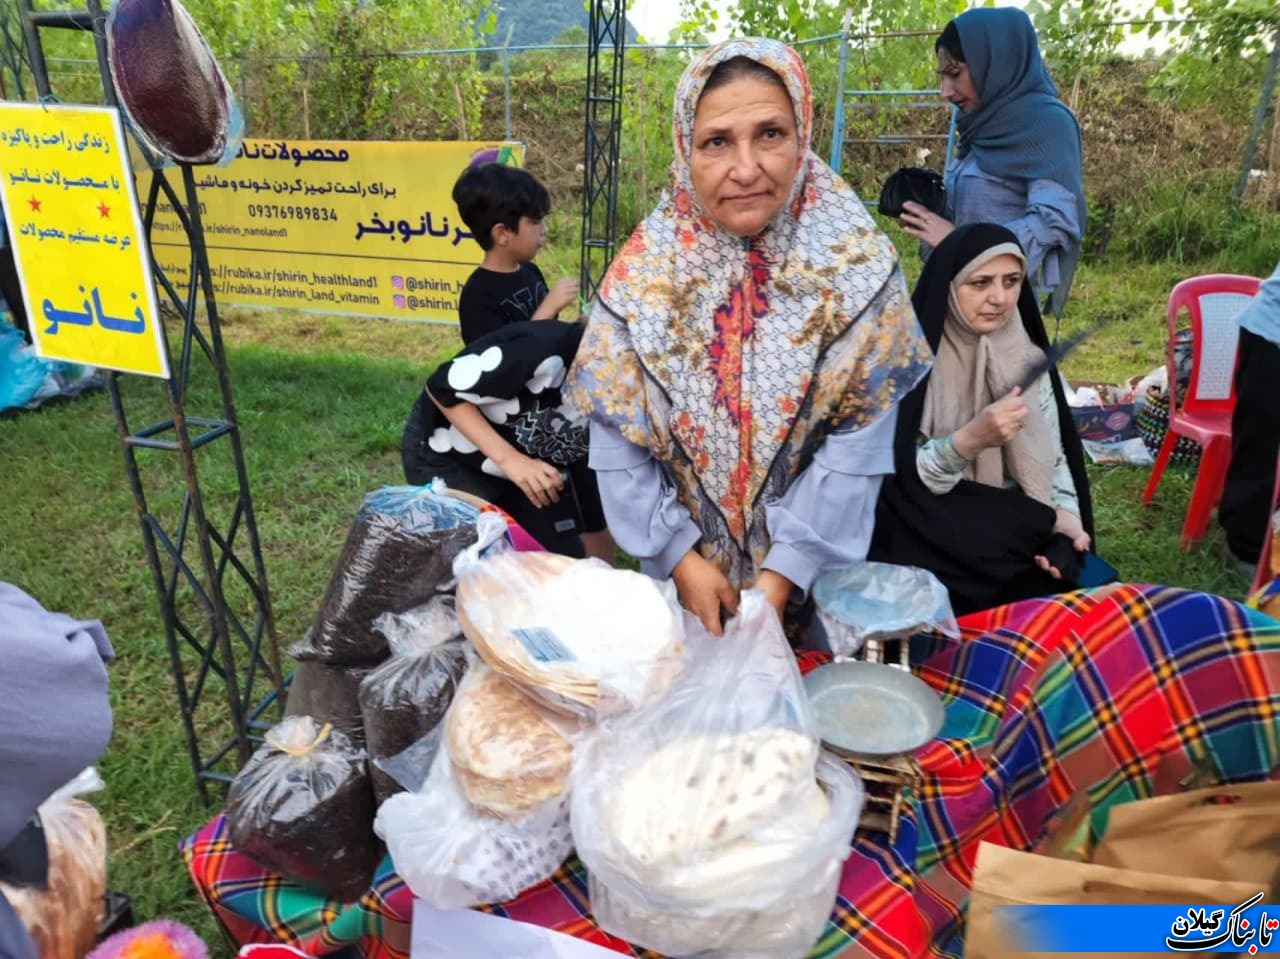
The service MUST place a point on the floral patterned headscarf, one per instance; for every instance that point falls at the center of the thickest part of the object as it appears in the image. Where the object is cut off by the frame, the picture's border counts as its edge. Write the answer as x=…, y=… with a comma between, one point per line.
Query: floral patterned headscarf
x=731, y=360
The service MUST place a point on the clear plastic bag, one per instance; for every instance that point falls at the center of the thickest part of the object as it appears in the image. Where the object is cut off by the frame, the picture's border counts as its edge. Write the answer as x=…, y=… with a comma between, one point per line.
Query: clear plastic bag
x=705, y=818
x=508, y=755
x=63, y=919
x=303, y=807
x=585, y=639
x=407, y=697
x=453, y=855
x=879, y=601
x=398, y=554
x=783, y=929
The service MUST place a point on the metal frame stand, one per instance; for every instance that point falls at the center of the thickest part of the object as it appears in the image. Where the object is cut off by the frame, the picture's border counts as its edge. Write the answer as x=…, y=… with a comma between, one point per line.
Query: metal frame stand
x=839, y=140
x=608, y=32
x=238, y=648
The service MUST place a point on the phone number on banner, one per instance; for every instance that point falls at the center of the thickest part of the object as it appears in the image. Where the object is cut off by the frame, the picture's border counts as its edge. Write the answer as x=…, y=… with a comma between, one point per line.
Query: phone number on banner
x=277, y=212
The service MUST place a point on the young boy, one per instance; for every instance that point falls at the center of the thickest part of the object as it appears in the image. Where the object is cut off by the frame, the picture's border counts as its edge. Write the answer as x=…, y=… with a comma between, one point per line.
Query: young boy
x=504, y=207
x=489, y=421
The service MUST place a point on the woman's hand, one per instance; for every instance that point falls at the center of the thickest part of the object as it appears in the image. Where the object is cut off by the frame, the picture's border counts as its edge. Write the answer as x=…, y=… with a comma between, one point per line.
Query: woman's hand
x=1069, y=525
x=924, y=224
x=540, y=482
x=998, y=423
x=776, y=588
x=704, y=590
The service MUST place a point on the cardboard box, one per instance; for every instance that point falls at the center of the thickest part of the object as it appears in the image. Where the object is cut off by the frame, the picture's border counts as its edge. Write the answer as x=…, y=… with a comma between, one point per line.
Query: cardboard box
x=1112, y=421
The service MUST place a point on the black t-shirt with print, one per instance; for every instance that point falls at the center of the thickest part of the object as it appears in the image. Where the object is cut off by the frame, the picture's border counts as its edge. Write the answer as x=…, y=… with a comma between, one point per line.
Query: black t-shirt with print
x=491, y=300
x=513, y=376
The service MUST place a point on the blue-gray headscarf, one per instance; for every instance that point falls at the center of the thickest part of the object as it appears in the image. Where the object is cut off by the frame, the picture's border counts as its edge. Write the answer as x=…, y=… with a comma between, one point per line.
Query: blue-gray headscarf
x=1020, y=128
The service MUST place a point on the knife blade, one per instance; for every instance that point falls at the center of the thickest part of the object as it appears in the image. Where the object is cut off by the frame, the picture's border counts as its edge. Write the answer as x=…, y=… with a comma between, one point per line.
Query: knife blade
x=1060, y=350
x=1052, y=357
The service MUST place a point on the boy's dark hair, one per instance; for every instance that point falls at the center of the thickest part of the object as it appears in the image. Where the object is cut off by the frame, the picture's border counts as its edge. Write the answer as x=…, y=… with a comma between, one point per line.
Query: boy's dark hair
x=494, y=193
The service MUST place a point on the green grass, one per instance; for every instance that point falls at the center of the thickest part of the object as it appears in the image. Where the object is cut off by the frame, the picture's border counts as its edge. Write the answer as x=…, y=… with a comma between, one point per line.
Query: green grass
x=321, y=401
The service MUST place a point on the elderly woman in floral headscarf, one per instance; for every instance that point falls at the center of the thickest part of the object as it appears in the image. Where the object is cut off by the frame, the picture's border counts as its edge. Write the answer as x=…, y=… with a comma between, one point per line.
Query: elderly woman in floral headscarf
x=745, y=357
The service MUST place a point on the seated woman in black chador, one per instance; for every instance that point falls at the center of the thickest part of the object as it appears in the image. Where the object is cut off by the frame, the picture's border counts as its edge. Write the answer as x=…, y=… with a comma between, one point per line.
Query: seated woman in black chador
x=990, y=492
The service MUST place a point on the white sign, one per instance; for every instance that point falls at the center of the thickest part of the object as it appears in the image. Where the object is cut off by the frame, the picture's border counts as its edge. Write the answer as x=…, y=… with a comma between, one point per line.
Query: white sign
x=467, y=934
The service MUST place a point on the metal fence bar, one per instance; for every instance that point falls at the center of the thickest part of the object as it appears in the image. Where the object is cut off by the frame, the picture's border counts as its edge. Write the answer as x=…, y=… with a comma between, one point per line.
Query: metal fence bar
x=837, y=121
x=1259, y=118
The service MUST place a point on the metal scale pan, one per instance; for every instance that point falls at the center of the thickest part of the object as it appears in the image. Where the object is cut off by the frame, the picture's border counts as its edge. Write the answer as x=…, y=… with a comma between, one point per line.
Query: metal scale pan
x=872, y=710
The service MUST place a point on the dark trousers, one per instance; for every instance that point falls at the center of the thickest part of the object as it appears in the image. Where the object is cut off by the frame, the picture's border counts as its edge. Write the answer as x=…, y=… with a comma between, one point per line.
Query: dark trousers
x=557, y=527
x=1255, y=441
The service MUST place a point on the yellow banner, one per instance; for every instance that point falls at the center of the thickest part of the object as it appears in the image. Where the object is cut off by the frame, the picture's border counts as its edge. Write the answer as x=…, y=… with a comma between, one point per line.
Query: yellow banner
x=366, y=228
x=77, y=237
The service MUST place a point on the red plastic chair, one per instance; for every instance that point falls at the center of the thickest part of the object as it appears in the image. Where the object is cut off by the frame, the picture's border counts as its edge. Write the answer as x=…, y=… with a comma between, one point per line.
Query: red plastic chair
x=1204, y=414
x=1263, y=574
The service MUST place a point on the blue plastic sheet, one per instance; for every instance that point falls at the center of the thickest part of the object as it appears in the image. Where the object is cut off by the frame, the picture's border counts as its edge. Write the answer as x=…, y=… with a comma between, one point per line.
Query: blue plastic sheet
x=27, y=381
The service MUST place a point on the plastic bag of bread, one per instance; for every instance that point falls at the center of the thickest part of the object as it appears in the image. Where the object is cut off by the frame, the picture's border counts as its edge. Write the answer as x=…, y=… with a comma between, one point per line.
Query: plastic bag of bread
x=63, y=918
x=302, y=806
x=398, y=554
x=584, y=638
x=708, y=820
x=494, y=821
x=508, y=755
x=407, y=697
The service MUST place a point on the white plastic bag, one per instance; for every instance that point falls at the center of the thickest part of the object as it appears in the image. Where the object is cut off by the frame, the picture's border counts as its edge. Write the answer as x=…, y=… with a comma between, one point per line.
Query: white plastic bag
x=705, y=818
x=453, y=856
x=782, y=929
x=880, y=600
x=583, y=638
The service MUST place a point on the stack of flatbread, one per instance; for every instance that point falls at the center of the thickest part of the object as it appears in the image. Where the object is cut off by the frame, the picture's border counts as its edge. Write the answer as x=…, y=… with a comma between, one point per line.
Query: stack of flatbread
x=586, y=639
x=728, y=843
x=683, y=820
x=507, y=756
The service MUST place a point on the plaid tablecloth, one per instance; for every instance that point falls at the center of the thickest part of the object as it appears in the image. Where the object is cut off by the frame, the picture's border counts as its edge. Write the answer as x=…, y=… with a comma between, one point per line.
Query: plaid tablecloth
x=1121, y=691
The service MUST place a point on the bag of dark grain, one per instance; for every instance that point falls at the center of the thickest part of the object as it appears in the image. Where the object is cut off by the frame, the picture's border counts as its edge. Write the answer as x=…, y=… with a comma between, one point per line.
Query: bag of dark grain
x=398, y=554
x=406, y=698
x=329, y=694
x=303, y=808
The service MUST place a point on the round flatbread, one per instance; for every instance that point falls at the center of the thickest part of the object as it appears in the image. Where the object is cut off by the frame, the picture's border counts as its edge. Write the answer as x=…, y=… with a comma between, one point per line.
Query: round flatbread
x=507, y=756
x=579, y=634
x=699, y=795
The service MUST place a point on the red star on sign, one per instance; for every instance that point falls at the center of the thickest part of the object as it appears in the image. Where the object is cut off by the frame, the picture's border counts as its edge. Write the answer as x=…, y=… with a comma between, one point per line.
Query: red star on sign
x=104, y=211
x=35, y=205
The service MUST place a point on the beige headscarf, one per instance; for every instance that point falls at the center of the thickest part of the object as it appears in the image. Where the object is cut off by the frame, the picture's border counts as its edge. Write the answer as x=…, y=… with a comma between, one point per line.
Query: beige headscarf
x=973, y=370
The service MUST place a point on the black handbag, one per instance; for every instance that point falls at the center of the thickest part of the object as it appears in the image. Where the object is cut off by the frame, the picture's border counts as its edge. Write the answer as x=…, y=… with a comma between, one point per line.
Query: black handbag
x=917, y=184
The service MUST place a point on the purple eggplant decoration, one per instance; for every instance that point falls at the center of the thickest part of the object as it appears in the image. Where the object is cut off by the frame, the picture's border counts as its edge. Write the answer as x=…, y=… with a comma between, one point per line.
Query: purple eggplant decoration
x=170, y=85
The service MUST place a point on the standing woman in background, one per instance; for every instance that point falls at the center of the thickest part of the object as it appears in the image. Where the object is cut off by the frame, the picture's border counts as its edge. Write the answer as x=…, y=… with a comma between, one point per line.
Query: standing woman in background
x=1019, y=157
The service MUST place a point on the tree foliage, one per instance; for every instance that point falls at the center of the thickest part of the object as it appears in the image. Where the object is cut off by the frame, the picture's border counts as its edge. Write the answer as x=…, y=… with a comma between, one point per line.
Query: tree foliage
x=1212, y=40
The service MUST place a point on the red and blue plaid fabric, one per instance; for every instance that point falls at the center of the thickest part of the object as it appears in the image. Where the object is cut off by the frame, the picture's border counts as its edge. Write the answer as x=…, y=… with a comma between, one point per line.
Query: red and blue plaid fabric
x=1119, y=692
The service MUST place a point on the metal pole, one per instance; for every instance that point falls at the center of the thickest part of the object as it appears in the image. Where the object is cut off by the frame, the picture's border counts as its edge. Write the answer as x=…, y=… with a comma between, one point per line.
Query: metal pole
x=506, y=84
x=600, y=148
x=1259, y=118
x=951, y=139
x=837, y=121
